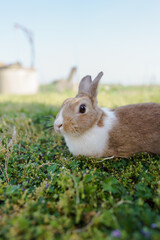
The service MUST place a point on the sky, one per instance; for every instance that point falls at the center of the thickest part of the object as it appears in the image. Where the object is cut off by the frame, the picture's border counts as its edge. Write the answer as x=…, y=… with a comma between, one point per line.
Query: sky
x=119, y=37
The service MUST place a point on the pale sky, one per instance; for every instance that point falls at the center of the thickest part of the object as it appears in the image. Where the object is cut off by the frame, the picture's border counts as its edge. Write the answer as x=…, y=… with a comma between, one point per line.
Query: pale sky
x=119, y=37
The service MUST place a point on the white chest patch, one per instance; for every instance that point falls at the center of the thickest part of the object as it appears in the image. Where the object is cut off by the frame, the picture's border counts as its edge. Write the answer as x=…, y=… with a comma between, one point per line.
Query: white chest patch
x=94, y=141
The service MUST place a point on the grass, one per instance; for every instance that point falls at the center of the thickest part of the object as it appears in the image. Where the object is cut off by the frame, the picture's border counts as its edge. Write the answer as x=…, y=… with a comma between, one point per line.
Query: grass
x=46, y=193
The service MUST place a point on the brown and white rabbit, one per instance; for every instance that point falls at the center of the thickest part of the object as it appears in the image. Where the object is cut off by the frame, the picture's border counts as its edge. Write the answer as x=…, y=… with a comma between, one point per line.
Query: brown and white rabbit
x=100, y=132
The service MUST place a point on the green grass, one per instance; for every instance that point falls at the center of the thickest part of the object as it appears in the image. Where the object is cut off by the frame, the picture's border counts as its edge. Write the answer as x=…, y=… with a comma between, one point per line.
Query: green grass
x=46, y=193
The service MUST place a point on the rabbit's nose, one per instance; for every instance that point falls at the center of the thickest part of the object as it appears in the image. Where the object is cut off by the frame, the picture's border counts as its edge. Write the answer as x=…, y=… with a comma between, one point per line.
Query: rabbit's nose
x=57, y=127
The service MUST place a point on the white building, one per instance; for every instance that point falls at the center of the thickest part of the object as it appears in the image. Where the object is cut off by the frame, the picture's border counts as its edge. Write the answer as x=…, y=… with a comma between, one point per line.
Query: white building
x=15, y=79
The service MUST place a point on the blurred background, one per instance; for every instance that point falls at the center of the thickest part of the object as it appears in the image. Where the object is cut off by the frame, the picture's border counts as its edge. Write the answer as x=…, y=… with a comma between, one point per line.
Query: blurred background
x=46, y=41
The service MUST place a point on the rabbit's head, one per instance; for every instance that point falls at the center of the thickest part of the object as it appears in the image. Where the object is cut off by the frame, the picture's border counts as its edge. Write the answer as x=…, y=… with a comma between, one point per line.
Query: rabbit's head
x=79, y=114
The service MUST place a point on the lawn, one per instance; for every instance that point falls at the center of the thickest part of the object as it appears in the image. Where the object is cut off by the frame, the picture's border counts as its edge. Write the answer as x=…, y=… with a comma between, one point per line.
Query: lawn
x=46, y=193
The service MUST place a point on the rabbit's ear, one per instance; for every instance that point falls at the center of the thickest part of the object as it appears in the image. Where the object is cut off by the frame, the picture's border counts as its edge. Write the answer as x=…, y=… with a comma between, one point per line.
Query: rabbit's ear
x=85, y=84
x=93, y=90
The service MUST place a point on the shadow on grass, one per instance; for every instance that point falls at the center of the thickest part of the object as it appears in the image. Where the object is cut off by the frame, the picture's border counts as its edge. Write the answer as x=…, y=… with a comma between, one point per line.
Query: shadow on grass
x=42, y=115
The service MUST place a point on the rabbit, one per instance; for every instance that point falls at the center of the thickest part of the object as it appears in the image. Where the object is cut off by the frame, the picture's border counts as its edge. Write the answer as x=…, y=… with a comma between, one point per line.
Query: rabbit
x=101, y=132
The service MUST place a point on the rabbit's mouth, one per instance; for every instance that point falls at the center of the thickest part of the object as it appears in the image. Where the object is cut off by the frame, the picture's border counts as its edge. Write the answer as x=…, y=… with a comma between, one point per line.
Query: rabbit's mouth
x=58, y=127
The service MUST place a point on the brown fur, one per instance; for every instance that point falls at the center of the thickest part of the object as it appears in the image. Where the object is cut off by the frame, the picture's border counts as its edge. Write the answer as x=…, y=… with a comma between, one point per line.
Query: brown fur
x=75, y=122
x=137, y=130
x=101, y=120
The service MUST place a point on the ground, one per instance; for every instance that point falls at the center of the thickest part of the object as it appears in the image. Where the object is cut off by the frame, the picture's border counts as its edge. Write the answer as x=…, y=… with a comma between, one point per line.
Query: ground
x=46, y=193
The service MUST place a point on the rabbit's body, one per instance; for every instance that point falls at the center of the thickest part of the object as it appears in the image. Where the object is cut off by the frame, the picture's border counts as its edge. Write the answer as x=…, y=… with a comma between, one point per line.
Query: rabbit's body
x=93, y=131
x=138, y=130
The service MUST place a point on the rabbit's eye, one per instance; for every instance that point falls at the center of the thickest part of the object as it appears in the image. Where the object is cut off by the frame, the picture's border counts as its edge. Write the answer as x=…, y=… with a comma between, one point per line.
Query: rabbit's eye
x=82, y=108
